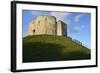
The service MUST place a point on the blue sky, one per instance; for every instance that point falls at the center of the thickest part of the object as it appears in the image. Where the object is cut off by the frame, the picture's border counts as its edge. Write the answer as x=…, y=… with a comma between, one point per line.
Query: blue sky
x=78, y=24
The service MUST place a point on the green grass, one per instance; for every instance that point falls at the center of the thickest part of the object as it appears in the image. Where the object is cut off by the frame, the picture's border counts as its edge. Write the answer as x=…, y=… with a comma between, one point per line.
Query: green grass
x=40, y=48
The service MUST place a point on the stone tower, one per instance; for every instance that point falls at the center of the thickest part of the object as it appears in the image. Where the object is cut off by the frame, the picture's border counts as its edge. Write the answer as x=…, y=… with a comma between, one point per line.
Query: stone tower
x=47, y=25
x=61, y=28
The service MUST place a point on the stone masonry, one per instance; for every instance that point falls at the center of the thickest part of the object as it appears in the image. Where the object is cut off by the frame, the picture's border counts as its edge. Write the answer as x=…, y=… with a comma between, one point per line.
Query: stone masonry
x=47, y=25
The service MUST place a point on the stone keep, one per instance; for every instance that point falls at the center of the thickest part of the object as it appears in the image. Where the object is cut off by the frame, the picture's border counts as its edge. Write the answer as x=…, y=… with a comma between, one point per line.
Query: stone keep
x=47, y=25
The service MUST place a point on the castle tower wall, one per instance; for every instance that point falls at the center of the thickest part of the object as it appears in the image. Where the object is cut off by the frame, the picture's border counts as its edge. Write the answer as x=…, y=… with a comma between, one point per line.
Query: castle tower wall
x=32, y=26
x=64, y=29
x=43, y=25
x=61, y=28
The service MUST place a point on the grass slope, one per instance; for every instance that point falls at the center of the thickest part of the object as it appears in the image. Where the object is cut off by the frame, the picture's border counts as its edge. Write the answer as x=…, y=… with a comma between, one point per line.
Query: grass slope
x=52, y=48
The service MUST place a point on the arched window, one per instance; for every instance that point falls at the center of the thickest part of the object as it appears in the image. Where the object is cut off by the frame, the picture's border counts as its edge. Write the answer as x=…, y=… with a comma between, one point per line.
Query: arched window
x=33, y=31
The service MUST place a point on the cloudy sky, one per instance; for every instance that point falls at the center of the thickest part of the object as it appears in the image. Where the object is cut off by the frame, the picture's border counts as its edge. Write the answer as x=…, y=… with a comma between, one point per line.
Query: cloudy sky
x=78, y=24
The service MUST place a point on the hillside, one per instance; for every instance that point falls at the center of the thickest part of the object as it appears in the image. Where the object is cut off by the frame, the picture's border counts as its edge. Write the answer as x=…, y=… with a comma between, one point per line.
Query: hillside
x=38, y=48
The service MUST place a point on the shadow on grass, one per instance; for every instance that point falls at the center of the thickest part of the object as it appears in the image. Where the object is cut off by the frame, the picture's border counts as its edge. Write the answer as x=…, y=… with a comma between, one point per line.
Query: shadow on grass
x=76, y=55
x=38, y=52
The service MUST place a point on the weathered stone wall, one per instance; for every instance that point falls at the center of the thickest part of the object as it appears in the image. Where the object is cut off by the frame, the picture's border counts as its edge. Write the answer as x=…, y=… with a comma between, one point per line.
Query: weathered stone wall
x=47, y=25
x=64, y=29
x=32, y=26
x=61, y=28
x=43, y=25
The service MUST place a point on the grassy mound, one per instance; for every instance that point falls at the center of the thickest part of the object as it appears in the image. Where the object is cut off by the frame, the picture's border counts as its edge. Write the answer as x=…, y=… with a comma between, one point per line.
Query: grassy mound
x=52, y=48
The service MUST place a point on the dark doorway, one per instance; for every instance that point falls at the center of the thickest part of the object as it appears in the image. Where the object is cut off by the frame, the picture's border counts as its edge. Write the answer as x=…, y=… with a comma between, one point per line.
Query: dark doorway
x=33, y=31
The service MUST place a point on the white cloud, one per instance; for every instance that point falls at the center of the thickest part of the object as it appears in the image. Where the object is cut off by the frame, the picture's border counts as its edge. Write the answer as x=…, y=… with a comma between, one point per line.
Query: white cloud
x=82, y=26
x=38, y=13
x=77, y=18
x=60, y=15
x=35, y=13
x=76, y=29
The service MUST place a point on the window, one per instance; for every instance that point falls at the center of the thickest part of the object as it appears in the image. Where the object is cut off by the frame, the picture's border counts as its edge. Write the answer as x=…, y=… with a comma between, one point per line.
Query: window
x=34, y=31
